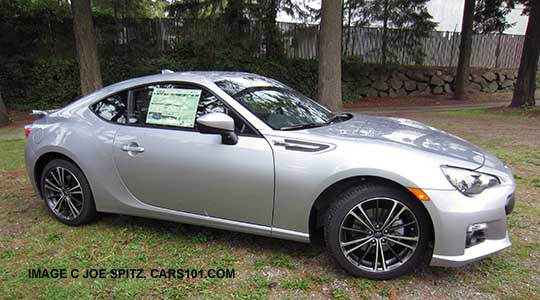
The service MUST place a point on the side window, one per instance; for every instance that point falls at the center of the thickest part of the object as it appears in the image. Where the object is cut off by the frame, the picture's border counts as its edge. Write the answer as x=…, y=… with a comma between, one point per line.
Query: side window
x=113, y=108
x=166, y=104
x=164, y=101
x=211, y=103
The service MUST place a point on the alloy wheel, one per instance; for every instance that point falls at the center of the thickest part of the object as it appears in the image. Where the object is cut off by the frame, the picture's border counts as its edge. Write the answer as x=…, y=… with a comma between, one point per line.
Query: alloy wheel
x=63, y=193
x=379, y=234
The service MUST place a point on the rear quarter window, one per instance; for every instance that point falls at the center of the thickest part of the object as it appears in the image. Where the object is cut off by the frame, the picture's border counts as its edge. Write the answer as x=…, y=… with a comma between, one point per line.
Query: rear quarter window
x=112, y=108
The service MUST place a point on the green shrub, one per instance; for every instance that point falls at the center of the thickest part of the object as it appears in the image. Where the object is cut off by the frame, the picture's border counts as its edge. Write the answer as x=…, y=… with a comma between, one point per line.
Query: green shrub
x=350, y=92
x=298, y=74
x=55, y=83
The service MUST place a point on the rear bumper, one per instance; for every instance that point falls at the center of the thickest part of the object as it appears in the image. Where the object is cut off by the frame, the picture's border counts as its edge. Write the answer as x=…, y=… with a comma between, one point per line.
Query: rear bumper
x=452, y=213
x=30, y=161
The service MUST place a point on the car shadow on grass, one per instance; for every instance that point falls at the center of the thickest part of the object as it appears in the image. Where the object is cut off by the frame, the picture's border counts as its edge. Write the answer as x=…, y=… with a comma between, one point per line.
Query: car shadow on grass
x=312, y=254
x=203, y=234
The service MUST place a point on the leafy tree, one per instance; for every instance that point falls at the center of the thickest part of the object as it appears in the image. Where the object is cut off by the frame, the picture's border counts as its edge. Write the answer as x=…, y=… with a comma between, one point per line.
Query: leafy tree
x=237, y=15
x=353, y=15
x=61, y=8
x=404, y=24
x=490, y=16
x=266, y=11
x=129, y=8
x=526, y=80
x=39, y=7
x=196, y=9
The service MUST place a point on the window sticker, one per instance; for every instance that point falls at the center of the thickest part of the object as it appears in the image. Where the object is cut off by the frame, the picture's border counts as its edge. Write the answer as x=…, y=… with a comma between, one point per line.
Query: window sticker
x=173, y=107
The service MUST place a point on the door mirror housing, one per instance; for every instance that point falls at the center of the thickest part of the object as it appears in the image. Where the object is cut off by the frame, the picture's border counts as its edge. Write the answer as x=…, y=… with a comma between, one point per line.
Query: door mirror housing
x=218, y=123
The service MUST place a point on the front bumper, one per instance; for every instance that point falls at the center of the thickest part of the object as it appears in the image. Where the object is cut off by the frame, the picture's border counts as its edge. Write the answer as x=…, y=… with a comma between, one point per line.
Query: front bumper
x=452, y=213
x=471, y=254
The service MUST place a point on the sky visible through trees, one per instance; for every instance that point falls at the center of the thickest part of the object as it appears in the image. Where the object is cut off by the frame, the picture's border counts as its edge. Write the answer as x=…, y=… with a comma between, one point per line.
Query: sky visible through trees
x=447, y=13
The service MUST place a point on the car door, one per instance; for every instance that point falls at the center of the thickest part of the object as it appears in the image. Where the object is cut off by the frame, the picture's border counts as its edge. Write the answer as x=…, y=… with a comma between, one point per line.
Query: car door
x=175, y=167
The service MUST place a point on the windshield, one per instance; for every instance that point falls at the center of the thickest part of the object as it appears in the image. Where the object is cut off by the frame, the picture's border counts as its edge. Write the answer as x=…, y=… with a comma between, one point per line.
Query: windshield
x=277, y=105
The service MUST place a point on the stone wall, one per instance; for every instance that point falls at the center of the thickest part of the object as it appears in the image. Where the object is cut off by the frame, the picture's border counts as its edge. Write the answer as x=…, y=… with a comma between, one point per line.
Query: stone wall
x=422, y=82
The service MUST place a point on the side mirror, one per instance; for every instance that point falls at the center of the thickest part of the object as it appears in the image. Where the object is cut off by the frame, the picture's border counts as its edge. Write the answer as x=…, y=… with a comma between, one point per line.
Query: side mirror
x=218, y=123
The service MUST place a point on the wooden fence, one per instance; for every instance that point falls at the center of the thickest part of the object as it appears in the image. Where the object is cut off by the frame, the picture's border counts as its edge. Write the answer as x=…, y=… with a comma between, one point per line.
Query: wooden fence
x=299, y=41
x=441, y=47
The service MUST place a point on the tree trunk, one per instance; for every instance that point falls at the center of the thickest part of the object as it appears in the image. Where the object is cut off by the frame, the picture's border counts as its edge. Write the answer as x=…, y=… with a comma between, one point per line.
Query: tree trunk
x=329, y=91
x=271, y=34
x=528, y=66
x=85, y=40
x=465, y=48
x=4, y=118
x=234, y=16
x=348, y=38
x=384, y=34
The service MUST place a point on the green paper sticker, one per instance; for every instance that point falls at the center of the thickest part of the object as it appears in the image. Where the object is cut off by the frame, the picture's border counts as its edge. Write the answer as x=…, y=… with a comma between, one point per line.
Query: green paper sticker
x=173, y=107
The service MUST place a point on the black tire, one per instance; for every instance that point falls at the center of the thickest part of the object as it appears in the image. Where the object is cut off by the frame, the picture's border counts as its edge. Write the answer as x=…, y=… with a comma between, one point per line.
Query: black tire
x=79, y=200
x=339, y=212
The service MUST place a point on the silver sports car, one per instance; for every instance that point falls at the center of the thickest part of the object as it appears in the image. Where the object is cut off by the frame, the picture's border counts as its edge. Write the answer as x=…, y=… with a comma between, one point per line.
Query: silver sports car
x=243, y=152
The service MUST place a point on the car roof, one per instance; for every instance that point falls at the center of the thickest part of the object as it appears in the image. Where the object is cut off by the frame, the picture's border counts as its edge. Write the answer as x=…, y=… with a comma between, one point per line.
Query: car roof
x=218, y=75
x=200, y=77
x=193, y=75
x=197, y=77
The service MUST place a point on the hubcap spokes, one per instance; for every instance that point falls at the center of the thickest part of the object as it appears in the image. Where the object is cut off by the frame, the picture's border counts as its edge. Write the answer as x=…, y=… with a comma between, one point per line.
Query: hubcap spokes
x=63, y=193
x=379, y=234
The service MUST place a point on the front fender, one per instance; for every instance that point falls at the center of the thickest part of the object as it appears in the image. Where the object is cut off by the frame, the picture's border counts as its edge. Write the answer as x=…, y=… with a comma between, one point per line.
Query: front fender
x=302, y=177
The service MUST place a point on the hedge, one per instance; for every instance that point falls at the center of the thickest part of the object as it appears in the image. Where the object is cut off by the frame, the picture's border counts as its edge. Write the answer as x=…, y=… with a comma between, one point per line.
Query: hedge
x=54, y=81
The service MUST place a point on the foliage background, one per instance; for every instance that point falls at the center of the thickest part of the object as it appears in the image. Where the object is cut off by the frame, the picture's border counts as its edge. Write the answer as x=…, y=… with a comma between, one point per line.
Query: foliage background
x=38, y=56
x=38, y=59
x=54, y=81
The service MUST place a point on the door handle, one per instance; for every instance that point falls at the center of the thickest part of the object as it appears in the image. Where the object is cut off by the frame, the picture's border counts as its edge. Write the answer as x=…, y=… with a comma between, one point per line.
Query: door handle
x=133, y=147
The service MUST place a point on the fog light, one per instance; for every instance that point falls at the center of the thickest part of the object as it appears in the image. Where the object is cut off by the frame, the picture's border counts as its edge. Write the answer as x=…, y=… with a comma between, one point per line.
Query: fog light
x=510, y=201
x=476, y=227
x=475, y=234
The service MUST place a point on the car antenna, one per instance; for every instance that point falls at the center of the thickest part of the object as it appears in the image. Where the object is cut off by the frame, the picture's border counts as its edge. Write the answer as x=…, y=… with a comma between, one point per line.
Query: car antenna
x=166, y=71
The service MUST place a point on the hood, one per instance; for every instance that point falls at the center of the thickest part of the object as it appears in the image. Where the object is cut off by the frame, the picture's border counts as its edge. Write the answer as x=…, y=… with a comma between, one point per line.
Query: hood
x=405, y=132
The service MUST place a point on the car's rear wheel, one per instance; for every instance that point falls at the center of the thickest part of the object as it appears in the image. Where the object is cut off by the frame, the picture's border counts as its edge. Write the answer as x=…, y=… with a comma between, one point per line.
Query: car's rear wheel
x=377, y=231
x=66, y=193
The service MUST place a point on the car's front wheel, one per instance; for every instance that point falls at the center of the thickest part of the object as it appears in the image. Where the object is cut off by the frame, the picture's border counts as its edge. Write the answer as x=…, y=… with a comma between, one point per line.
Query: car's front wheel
x=66, y=193
x=377, y=231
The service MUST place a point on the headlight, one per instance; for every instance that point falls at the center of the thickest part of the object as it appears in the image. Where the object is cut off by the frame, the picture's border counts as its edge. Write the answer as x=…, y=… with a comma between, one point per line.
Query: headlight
x=469, y=182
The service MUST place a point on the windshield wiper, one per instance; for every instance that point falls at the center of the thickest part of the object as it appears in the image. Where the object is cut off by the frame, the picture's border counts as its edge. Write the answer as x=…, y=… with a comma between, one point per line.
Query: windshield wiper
x=312, y=125
x=302, y=126
x=335, y=118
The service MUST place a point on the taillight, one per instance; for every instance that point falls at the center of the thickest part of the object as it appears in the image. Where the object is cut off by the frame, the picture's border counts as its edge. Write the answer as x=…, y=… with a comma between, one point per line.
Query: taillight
x=27, y=130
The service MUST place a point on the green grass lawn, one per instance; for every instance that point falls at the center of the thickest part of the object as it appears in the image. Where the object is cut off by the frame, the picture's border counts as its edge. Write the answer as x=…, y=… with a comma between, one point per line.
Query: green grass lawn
x=264, y=268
